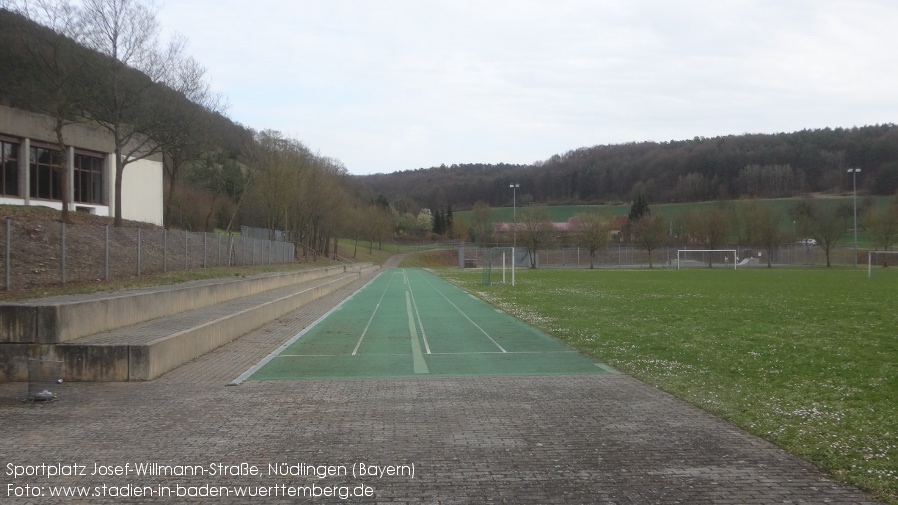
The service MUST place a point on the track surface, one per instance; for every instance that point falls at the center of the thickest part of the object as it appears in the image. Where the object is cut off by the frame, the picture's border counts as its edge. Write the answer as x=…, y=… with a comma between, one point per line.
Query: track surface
x=408, y=322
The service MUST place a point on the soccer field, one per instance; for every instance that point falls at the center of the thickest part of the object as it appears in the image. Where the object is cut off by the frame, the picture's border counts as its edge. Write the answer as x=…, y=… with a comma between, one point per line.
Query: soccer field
x=807, y=358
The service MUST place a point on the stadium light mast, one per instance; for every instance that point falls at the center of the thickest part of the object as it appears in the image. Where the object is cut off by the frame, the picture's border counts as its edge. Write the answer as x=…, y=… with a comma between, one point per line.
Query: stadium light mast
x=853, y=172
x=514, y=224
x=514, y=213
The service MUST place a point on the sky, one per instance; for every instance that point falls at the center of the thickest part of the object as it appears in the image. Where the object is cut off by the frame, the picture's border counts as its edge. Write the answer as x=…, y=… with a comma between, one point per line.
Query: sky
x=390, y=85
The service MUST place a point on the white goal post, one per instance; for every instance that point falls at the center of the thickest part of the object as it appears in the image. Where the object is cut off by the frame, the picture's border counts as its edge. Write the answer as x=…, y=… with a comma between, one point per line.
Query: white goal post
x=728, y=258
x=870, y=260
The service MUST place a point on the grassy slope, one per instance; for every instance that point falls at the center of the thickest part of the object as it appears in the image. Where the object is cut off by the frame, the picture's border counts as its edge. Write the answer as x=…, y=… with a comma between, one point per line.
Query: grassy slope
x=805, y=358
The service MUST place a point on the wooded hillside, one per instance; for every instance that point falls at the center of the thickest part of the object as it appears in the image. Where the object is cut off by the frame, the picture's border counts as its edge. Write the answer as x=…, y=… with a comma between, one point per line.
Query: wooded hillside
x=734, y=166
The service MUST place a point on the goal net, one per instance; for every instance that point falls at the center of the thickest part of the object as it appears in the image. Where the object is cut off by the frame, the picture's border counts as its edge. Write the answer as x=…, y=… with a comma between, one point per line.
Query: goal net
x=880, y=258
x=495, y=261
x=691, y=258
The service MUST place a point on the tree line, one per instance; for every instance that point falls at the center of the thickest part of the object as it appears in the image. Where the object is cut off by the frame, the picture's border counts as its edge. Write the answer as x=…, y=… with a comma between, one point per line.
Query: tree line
x=701, y=169
x=752, y=223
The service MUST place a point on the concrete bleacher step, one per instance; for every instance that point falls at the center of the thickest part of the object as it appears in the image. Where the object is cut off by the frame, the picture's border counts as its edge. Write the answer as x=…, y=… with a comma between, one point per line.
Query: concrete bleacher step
x=68, y=317
x=150, y=347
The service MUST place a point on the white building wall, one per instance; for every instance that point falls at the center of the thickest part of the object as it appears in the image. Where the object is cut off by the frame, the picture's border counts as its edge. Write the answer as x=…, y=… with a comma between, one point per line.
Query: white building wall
x=142, y=181
x=142, y=192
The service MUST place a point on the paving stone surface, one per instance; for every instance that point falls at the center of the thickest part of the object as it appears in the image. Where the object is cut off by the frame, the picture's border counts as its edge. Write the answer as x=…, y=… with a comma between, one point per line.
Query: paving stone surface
x=542, y=439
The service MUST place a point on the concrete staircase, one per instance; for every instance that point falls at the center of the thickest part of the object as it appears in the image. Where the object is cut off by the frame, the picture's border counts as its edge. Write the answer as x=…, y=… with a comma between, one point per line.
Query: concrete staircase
x=140, y=334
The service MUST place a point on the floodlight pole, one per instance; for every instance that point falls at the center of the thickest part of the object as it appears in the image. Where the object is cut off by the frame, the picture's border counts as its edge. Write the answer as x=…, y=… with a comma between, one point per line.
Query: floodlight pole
x=514, y=224
x=853, y=172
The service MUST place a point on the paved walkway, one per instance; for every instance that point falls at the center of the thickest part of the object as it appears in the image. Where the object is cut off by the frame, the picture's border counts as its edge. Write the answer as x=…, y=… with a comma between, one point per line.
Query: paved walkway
x=544, y=439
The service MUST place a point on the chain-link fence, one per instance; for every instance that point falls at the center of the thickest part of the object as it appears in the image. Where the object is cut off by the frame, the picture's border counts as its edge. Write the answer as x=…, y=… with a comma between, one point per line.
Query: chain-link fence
x=637, y=257
x=39, y=253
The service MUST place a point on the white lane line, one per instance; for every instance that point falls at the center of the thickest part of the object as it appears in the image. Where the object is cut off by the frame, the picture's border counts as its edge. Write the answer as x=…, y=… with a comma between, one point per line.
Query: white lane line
x=421, y=324
x=354, y=351
x=466, y=316
x=418, y=363
x=255, y=368
x=438, y=354
x=606, y=368
x=367, y=354
x=308, y=355
x=507, y=352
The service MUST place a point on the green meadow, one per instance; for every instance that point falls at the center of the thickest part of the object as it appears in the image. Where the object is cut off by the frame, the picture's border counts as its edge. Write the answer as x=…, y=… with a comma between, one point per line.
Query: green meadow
x=805, y=358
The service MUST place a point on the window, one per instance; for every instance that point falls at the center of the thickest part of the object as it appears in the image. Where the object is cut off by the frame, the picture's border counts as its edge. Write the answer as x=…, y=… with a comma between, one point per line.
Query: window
x=9, y=168
x=46, y=173
x=88, y=178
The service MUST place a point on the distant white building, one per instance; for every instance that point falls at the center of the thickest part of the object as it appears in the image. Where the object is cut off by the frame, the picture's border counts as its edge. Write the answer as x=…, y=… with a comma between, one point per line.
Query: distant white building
x=32, y=168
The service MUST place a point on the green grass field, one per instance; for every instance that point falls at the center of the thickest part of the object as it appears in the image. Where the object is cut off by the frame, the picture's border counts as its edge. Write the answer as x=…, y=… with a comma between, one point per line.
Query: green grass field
x=805, y=358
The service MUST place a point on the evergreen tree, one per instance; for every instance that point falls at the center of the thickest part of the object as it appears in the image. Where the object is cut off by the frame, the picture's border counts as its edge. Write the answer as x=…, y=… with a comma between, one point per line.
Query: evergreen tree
x=439, y=224
x=449, y=220
x=639, y=208
x=382, y=202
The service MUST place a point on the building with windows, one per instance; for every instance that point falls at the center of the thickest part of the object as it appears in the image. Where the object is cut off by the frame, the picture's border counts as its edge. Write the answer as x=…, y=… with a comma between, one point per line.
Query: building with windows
x=32, y=169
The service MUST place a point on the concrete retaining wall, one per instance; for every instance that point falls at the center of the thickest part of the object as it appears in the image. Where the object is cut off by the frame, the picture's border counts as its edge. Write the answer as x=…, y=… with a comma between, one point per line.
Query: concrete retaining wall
x=61, y=321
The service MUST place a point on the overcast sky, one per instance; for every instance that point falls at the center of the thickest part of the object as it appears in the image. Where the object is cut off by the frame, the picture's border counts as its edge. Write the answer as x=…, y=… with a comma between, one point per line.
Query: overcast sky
x=387, y=85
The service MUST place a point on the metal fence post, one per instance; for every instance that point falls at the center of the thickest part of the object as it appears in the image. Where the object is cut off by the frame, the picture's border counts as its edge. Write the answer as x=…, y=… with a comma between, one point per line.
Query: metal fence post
x=204, y=249
x=62, y=253
x=165, y=250
x=106, y=255
x=138, y=252
x=8, y=244
x=185, y=250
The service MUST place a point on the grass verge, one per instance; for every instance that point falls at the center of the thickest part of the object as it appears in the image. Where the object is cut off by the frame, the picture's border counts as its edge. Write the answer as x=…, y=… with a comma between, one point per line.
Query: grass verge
x=173, y=277
x=807, y=359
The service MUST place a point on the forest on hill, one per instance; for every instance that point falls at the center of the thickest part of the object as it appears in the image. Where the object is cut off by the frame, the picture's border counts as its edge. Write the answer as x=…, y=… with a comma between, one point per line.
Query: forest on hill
x=721, y=168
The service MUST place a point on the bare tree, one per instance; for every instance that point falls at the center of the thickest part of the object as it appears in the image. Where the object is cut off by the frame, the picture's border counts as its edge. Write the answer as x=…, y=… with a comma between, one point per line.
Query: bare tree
x=324, y=201
x=883, y=225
x=277, y=162
x=763, y=227
x=594, y=233
x=377, y=224
x=536, y=230
x=650, y=231
x=709, y=227
x=187, y=132
x=59, y=90
x=481, y=224
x=126, y=32
x=826, y=224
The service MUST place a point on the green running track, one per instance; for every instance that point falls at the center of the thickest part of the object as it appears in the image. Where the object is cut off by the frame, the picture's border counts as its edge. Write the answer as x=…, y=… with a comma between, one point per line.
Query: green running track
x=408, y=322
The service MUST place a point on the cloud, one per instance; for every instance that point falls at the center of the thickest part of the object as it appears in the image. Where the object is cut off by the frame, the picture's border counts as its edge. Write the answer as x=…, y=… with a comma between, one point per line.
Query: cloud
x=400, y=84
